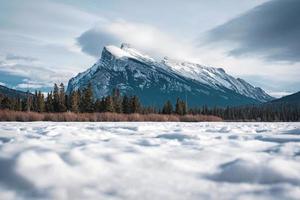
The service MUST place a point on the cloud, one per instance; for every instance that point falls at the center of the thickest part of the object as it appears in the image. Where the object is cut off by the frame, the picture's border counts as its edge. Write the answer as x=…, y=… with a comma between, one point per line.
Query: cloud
x=144, y=37
x=18, y=57
x=270, y=31
x=46, y=19
x=93, y=40
x=37, y=41
x=279, y=94
x=35, y=74
x=49, y=30
x=29, y=84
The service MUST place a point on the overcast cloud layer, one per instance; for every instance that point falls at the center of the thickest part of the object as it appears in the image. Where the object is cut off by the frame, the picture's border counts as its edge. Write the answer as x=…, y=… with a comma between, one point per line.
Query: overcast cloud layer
x=271, y=30
x=146, y=38
x=47, y=41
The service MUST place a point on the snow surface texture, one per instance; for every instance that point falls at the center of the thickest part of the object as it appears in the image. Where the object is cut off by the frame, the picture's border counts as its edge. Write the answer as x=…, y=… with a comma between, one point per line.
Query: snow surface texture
x=149, y=160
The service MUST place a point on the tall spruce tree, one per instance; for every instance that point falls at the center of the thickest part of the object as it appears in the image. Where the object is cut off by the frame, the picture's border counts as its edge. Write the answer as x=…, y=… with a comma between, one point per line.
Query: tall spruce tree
x=87, y=100
x=180, y=108
x=49, y=102
x=40, y=102
x=98, y=105
x=56, y=98
x=74, y=101
x=167, y=108
x=125, y=105
x=35, y=101
x=117, y=100
x=18, y=104
x=135, y=105
x=109, y=104
x=62, y=99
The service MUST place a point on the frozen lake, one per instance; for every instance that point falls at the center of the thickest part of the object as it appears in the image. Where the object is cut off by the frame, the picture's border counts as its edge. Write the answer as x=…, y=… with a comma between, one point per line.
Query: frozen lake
x=149, y=160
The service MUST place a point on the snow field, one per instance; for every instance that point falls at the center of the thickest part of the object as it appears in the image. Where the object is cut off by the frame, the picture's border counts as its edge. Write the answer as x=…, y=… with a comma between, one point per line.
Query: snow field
x=149, y=160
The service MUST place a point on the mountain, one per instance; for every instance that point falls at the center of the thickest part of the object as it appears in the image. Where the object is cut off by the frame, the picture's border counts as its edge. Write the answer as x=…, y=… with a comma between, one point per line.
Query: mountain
x=11, y=93
x=155, y=82
x=293, y=98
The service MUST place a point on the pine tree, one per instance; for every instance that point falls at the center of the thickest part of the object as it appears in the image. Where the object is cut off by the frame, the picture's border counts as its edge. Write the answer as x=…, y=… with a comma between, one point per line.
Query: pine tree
x=67, y=102
x=184, y=107
x=125, y=105
x=34, y=101
x=40, y=102
x=181, y=108
x=49, y=103
x=74, y=101
x=103, y=104
x=178, y=108
x=23, y=103
x=6, y=103
x=62, y=99
x=117, y=100
x=167, y=108
x=109, y=104
x=98, y=106
x=56, y=98
x=87, y=100
x=18, y=104
x=135, y=105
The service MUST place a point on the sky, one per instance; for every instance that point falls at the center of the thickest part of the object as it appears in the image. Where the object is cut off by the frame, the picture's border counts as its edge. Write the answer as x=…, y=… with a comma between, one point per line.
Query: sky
x=48, y=41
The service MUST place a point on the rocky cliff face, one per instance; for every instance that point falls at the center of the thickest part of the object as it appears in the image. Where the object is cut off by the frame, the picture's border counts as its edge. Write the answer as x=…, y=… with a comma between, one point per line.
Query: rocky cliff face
x=155, y=82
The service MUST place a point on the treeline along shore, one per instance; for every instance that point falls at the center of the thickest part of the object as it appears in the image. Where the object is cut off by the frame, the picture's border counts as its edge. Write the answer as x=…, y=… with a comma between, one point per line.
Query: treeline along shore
x=80, y=105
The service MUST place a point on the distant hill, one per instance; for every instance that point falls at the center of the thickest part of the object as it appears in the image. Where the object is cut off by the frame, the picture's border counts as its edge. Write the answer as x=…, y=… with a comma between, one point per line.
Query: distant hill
x=11, y=93
x=293, y=98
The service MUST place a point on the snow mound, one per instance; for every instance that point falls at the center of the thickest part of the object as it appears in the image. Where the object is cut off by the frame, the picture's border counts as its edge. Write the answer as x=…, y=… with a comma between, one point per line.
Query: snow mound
x=247, y=171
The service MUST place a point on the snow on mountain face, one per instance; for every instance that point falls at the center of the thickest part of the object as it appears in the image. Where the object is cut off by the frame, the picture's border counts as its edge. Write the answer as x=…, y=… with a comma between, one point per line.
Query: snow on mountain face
x=135, y=73
x=136, y=54
x=216, y=78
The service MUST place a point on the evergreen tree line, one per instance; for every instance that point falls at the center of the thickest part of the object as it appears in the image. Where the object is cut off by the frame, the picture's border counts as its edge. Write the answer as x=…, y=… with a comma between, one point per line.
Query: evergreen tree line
x=83, y=101
x=266, y=112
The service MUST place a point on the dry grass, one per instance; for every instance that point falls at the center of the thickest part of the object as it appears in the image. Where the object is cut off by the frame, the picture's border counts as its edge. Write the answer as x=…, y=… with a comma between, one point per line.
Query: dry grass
x=7, y=115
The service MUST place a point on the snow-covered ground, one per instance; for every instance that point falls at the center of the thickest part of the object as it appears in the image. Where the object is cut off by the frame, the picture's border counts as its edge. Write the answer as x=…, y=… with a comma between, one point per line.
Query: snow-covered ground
x=149, y=161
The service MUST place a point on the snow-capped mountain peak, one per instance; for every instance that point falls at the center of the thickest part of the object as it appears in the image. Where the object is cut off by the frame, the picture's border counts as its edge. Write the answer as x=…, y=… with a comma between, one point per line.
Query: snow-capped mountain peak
x=117, y=52
x=136, y=73
x=126, y=51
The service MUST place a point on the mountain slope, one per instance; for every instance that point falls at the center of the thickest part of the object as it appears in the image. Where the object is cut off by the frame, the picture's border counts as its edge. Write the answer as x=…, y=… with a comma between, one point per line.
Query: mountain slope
x=11, y=93
x=155, y=82
x=216, y=78
x=293, y=98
